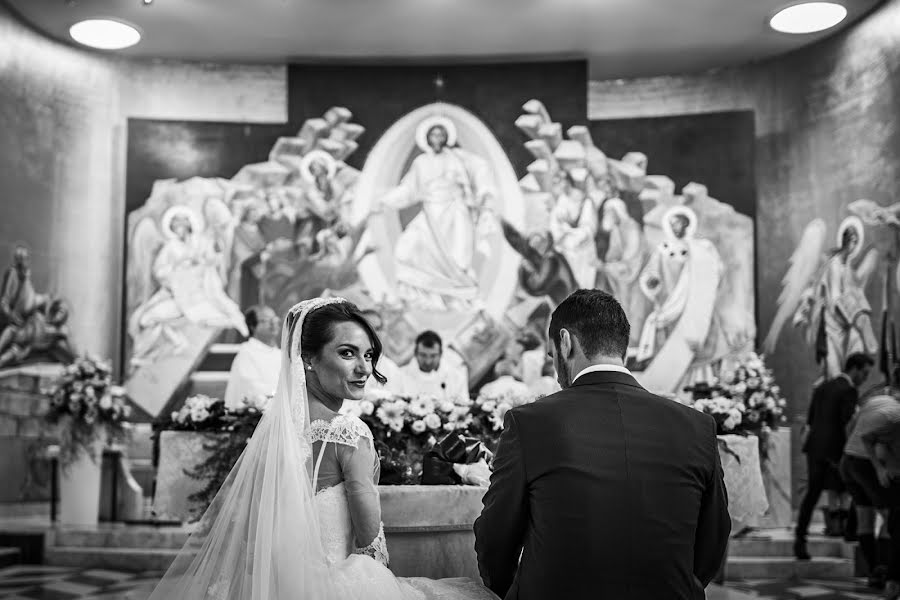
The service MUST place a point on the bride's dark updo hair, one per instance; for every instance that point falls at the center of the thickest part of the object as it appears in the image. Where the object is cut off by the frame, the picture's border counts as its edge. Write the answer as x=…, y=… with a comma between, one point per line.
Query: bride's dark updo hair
x=318, y=330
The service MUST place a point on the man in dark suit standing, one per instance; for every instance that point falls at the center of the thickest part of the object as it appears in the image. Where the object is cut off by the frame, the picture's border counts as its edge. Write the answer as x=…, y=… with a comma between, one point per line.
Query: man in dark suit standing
x=830, y=410
x=602, y=490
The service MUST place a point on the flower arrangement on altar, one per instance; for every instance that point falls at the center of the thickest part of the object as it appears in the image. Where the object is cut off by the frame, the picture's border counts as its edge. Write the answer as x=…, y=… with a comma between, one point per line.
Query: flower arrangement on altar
x=203, y=413
x=87, y=409
x=405, y=428
x=744, y=399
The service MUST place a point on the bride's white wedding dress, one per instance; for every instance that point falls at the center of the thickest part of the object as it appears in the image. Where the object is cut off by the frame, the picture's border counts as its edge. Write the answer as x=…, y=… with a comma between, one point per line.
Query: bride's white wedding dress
x=298, y=517
x=348, y=508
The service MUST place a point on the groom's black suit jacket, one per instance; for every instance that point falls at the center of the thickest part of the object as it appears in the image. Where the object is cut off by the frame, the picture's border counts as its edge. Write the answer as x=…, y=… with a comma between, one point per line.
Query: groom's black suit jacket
x=613, y=492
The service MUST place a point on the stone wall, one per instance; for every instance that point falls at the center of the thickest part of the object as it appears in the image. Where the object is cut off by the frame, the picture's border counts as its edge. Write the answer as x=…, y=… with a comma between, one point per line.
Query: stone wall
x=23, y=434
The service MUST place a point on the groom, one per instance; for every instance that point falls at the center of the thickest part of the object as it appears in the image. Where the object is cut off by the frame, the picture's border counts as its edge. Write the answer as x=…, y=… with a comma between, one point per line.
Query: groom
x=613, y=492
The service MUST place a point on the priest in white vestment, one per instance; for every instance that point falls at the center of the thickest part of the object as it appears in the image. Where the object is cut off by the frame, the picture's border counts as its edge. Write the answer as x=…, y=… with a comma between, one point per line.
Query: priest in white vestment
x=254, y=372
x=428, y=375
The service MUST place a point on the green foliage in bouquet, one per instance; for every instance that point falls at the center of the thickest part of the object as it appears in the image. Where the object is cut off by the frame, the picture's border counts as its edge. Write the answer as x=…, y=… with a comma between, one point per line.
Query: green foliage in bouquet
x=86, y=409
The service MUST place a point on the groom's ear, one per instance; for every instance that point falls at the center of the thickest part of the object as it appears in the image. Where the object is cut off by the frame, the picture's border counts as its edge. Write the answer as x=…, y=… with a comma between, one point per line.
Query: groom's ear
x=565, y=344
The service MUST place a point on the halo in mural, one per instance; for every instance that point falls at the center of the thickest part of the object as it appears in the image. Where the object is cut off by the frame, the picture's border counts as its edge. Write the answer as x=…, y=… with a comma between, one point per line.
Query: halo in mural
x=856, y=223
x=317, y=156
x=180, y=211
x=685, y=212
x=426, y=125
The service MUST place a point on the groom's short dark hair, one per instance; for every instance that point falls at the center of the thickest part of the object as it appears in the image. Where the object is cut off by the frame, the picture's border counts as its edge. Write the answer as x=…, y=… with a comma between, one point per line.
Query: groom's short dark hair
x=596, y=319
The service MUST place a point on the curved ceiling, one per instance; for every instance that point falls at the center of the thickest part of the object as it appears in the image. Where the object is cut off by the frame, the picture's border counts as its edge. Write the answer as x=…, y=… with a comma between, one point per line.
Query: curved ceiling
x=620, y=38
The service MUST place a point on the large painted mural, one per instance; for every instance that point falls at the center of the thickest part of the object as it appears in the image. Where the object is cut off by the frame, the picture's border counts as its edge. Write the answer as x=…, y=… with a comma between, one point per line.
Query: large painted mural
x=437, y=228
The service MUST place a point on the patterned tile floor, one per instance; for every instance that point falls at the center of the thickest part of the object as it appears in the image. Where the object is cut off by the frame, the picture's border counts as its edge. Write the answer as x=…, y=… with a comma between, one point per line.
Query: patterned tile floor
x=31, y=582
x=768, y=589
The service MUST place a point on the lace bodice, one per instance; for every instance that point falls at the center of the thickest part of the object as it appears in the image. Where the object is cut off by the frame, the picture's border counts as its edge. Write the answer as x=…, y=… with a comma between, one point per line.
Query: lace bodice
x=346, y=473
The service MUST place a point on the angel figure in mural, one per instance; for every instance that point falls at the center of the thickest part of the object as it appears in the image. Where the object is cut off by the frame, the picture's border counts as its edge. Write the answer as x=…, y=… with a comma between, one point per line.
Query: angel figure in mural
x=434, y=254
x=187, y=270
x=681, y=280
x=573, y=224
x=828, y=300
x=626, y=254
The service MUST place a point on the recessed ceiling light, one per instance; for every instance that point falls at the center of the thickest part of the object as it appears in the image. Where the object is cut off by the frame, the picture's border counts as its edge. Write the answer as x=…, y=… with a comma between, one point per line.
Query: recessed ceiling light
x=105, y=34
x=808, y=17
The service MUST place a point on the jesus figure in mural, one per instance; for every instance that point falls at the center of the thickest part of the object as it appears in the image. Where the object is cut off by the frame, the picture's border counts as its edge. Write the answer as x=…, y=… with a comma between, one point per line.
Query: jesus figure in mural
x=434, y=254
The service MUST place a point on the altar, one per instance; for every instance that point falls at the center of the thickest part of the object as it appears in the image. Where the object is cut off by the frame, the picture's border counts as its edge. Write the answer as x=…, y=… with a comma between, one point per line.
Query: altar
x=429, y=529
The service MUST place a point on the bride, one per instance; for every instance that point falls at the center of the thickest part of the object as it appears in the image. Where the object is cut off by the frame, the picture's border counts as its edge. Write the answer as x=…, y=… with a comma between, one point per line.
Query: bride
x=274, y=533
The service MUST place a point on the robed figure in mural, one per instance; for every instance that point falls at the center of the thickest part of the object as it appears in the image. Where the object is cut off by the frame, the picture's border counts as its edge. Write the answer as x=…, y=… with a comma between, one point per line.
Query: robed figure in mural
x=188, y=271
x=681, y=280
x=626, y=254
x=828, y=299
x=434, y=254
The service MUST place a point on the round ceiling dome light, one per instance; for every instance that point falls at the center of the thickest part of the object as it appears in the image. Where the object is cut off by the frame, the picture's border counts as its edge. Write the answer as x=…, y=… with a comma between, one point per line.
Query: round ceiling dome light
x=105, y=34
x=808, y=17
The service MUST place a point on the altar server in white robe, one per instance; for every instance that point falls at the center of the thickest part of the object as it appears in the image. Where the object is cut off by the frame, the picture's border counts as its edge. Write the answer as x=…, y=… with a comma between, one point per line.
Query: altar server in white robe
x=254, y=372
x=429, y=374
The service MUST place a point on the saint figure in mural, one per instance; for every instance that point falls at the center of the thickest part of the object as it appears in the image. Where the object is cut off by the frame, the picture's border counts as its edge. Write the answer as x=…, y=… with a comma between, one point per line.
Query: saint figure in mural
x=573, y=223
x=188, y=272
x=828, y=300
x=626, y=254
x=544, y=271
x=681, y=280
x=434, y=254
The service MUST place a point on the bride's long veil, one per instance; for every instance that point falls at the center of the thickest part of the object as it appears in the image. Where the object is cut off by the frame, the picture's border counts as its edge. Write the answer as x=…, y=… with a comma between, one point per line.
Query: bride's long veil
x=259, y=539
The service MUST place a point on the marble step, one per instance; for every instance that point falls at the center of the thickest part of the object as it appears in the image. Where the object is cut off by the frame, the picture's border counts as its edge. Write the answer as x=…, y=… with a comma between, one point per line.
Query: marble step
x=210, y=383
x=10, y=556
x=219, y=357
x=783, y=567
x=161, y=538
x=123, y=559
x=764, y=547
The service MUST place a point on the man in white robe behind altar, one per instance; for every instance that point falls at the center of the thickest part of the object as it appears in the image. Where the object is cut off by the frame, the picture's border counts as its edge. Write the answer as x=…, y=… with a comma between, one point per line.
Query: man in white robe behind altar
x=429, y=374
x=434, y=254
x=681, y=280
x=254, y=372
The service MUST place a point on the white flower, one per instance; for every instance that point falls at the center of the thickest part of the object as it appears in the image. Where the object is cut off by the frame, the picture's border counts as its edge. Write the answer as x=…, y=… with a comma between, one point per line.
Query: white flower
x=375, y=395
x=753, y=382
x=446, y=406
x=729, y=424
x=432, y=421
x=782, y=403
x=198, y=415
x=392, y=414
x=770, y=403
x=448, y=427
x=418, y=426
x=421, y=406
x=106, y=403
x=460, y=417
x=462, y=401
x=366, y=407
x=740, y=387
x=176, y=416
x=488, y=406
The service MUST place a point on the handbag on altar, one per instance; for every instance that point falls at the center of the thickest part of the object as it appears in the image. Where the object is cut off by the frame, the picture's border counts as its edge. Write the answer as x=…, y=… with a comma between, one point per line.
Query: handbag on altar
x=437, y=466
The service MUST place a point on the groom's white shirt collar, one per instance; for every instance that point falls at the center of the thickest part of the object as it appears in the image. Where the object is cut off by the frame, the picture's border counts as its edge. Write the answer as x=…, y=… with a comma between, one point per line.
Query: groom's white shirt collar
x=600, y=369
